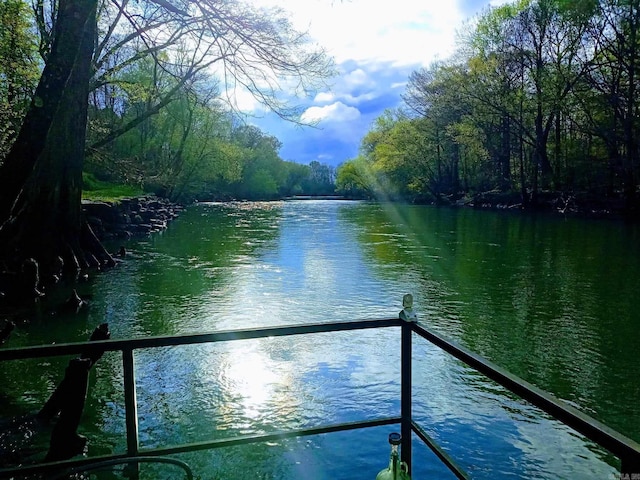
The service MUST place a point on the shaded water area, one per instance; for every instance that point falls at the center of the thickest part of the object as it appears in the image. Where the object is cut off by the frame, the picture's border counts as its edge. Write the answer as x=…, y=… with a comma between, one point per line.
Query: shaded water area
x=553, y=300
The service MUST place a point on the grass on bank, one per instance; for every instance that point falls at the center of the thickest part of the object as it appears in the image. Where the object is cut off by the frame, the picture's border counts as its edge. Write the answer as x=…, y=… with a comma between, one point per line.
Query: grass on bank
x=98, y=190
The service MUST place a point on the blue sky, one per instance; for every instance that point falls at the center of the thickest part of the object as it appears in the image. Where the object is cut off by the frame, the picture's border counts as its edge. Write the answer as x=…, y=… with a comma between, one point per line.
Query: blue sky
x=376, y=45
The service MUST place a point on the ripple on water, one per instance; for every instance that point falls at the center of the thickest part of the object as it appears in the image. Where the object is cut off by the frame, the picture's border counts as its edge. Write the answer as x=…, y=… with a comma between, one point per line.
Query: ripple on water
x=529, y=299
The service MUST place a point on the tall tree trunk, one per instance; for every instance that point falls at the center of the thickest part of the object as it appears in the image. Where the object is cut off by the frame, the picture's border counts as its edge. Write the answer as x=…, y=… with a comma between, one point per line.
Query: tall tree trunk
x=542, y=135
x=19, y=163
x=41, y=181
x=455, y=168
x=505, y=153
x=631, y=144
x=559, y=181
x=523, y=178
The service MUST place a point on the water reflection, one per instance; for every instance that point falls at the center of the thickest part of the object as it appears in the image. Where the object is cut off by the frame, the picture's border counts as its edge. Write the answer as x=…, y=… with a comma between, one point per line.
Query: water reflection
x=254, y=381
x=536, y=295
x=547, y=298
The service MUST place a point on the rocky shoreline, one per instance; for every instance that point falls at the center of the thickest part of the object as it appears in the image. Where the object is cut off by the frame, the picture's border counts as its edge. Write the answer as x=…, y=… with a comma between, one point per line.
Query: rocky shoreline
x=130, y=217
x=25, y=292
x=579, y=205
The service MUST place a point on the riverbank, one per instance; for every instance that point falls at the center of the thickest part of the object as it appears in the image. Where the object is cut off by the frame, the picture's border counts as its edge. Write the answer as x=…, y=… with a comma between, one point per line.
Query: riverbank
x=580, y=205
x=24, y=289
x=130, y=217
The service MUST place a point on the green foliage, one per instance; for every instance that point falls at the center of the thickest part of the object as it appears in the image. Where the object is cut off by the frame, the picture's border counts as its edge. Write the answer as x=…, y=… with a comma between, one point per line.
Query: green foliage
x=296, y=175
x=156, y=116
x=490, y=27
x=355, y=179
x=260, y=185
x=541, y=95
x=19, y=69
x=94, y=189
x=320, y=180
x=193, y=148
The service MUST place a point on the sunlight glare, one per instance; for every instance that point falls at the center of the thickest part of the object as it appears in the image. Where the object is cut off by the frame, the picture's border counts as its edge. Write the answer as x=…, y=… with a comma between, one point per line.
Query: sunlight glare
x=253, y=379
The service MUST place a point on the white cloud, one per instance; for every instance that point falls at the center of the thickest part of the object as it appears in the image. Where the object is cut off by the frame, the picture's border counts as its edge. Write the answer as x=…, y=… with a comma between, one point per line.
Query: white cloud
x=351, y=88
x=336, y=112
x=376, y=45
x=243, y=101
x=356, y=78
x=344, y=97
x=324, y=97
x=407, y=32
x=369, y=35
x=356, y=99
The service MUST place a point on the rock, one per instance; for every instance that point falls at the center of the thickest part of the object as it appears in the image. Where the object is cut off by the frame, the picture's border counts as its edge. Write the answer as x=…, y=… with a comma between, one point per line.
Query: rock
x=134, y=216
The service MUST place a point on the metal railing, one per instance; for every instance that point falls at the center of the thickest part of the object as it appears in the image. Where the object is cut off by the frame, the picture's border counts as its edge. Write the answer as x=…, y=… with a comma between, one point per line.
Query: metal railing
x=627, y=450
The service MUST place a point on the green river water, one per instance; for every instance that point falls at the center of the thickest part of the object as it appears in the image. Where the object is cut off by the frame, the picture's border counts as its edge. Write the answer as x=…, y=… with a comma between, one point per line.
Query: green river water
x=553, y=300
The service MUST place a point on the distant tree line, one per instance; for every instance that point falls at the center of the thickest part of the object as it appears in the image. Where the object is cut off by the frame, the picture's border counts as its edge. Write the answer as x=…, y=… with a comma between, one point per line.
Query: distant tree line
x=156, y=116
x=540, y=97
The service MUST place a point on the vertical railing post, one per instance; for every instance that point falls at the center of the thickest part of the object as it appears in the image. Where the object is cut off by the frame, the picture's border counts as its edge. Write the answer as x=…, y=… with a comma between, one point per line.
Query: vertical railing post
x=405, y=393
x=131, y=409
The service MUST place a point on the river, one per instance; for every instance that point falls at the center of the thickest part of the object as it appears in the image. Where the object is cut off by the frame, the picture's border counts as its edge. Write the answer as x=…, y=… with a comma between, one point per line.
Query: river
x=553, y=300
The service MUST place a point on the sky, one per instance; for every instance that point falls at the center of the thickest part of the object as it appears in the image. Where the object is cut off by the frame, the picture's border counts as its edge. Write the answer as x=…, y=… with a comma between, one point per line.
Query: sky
x=375, y=45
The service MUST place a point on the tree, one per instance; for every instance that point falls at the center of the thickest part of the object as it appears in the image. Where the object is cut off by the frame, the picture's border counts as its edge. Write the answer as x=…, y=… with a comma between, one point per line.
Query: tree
x=434, y=95
x=320, y=180
x=41, y=178
x=610, y=104
x=494, y=83
x=495, y=86
x=525, y=61
x=251, y=48
x=407, y=159
x=18, y=69
x=549, y=36
x=296, y=174
x=354, y=179
x=541, y=96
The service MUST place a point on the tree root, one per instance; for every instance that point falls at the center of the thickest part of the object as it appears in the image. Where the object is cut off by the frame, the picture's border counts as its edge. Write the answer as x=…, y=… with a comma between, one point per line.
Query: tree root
x=39, y=259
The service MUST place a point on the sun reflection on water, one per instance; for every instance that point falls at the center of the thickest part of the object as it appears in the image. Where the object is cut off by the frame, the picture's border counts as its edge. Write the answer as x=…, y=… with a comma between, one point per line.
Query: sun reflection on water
x=250, y=378
x=256, y=388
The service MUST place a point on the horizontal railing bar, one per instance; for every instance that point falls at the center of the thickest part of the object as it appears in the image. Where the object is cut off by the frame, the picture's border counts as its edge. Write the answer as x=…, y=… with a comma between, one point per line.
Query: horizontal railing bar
x=66, y=474
x=52, y=467
x=192, y=447
x=190, y=339
x=618, y=444
x=439, y=452
x=270, y=437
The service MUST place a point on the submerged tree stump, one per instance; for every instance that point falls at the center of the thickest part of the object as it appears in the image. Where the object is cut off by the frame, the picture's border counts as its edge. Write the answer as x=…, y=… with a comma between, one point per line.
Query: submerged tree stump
x=6, y=331
x=68, y=401
x=65, y=441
